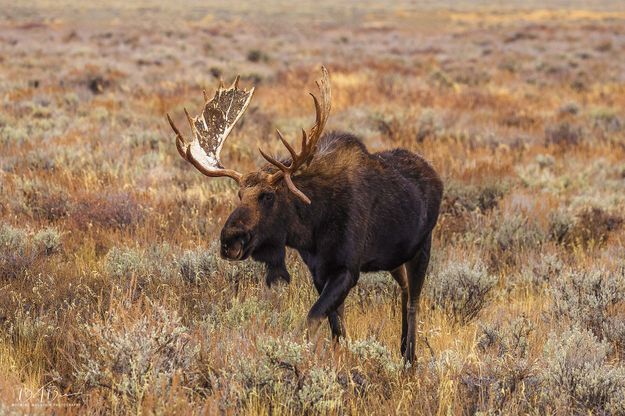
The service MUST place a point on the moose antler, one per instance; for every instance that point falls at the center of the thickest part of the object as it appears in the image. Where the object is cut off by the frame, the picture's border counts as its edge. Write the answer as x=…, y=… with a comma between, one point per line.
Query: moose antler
x=211, y=128
x=309, y=141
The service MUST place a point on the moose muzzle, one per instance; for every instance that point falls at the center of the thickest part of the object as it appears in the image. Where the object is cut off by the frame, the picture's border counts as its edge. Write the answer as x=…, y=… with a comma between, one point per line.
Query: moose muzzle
x=236, y=236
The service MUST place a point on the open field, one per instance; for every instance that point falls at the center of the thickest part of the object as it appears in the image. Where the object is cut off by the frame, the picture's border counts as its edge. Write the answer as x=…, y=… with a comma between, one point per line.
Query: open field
x=113, y=298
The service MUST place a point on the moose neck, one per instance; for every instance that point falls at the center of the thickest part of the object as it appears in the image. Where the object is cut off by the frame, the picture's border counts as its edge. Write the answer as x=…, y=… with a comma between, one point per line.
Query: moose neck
x=304, y=221
x=300, y=222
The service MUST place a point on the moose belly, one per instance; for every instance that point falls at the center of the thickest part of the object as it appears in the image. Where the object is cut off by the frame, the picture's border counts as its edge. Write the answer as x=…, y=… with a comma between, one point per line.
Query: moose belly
x=390, y=249
x=394, y=237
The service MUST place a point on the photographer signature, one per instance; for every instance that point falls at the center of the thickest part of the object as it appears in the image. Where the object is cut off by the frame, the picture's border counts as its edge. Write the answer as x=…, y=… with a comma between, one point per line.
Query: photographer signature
x=44, y=396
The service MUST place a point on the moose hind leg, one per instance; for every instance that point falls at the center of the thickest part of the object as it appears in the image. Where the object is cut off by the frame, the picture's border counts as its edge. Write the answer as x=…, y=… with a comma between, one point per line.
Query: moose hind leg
x=416, y=269
x=401, y=277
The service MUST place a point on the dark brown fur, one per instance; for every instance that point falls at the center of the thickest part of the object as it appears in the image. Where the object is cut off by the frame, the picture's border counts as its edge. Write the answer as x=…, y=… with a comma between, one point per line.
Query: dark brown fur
x=369, y=212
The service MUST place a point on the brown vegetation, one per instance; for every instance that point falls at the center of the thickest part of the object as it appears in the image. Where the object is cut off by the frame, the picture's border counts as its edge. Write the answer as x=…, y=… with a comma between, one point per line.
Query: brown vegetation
x=113, y=298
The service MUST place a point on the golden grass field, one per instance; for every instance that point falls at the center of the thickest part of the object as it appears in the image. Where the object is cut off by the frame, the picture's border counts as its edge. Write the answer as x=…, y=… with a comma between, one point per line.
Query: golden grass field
x=113, y=298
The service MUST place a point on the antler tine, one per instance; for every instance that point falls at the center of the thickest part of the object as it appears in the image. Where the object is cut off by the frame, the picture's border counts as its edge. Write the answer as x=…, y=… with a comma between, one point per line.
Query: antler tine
x=287, y=145
x=317, y=108
x=173, y=127
x=309, y=140
x=285, y=173
x=235, y=84
x=305, y=141
x=181, y=143
x=189, y=119
x=273, y=161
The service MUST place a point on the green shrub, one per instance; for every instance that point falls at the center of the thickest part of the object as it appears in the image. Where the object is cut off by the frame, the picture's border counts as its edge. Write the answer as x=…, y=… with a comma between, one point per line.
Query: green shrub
x=505, y=379
x=195, y=265
x=17, y=255
x=321, y=391
x=577, y=375
x=127, y=358
x=371, y=352
x=461, y=289
x=48, y=241
x=587, y=297
x=122, y=263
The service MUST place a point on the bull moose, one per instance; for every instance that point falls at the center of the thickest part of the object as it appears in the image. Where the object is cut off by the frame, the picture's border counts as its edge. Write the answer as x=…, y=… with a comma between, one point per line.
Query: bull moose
x=345, y=210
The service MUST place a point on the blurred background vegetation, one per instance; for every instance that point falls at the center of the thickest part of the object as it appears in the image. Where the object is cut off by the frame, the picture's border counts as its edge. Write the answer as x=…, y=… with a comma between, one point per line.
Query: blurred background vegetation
x=112, y=295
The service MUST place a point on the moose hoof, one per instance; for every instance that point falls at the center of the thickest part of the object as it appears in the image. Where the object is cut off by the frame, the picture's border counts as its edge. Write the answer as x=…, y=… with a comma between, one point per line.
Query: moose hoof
x=312, y=331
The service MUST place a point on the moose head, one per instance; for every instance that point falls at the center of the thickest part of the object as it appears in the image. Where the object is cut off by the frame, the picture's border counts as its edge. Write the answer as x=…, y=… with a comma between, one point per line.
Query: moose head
x=265, y=195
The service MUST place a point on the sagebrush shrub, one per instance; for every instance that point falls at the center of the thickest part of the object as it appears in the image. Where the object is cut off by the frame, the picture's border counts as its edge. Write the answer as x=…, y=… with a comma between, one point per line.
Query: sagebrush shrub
x=508, y=237
x=157, y=261
x=576, y=374
x=256, y=55
x=374, y=288
x=13, y=135
x=195, y=265
x=17, y=255
x=276, y=371
x=516, y=232
x=537, y=274
x=606, y=121
x=321, y=391
x=586, y=297
x=563, y=134
x=128, y=357
x=504, y=377
x=594, y=224
x=560, y=225
x=243, y=311
x=371, y=352
x=460, y=198
x=48, y=240
x=124, y=263
x=45, y=201
x=461, y=289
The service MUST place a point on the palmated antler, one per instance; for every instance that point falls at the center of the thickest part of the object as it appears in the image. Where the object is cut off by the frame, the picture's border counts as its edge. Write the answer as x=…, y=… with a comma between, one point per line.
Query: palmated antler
x=211, y=128
x=309, y=141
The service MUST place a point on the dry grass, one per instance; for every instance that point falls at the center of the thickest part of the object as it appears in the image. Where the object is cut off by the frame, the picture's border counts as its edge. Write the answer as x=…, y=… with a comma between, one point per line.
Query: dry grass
x=113, y=298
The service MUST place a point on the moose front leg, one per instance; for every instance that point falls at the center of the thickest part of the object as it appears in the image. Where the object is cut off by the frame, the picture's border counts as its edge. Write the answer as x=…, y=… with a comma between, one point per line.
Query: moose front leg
x=274, y=259
x=276, y=272
x=336, y=317
x=330, y=303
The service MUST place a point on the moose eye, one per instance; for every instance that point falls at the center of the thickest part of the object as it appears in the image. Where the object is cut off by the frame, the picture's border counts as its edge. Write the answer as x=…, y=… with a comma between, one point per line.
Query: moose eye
x=266, y=197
